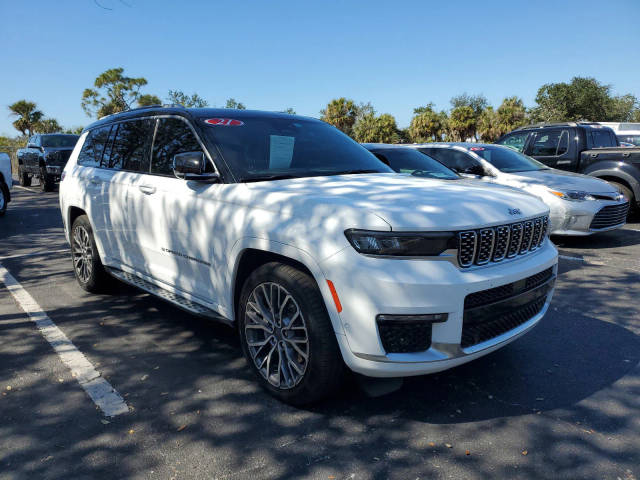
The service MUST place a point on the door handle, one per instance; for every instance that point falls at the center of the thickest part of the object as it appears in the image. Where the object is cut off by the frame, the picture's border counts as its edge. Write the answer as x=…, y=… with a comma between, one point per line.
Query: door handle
x=95, y=180
x=147, y=190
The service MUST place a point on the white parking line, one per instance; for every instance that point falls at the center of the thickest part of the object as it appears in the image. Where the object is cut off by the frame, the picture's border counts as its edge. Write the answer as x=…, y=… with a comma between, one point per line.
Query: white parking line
x=33, y=254
x=101, y=392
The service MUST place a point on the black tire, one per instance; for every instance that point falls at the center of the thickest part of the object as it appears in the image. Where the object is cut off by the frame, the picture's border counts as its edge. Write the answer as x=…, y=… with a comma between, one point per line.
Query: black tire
x=4, y=196
x=324, y=368
x=23, y=177
x=89, y=271
x=46, y=180
x=628, y=194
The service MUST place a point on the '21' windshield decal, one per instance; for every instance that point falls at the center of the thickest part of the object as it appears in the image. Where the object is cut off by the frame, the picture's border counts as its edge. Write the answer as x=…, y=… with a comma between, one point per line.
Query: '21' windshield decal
x=224, y=122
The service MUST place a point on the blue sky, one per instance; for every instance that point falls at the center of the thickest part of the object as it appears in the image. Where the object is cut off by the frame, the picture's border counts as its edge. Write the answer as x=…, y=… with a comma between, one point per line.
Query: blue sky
x=277, y=54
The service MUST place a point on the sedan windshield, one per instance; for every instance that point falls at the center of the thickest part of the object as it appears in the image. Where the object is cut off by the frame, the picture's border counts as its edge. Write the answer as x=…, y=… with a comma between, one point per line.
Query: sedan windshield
x=59, y=141
x=508, y=160
x=408, y=160
x=272, y=148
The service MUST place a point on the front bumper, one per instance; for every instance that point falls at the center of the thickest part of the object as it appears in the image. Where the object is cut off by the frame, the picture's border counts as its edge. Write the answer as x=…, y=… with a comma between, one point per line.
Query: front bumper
x=575, y=218
x=369, y=286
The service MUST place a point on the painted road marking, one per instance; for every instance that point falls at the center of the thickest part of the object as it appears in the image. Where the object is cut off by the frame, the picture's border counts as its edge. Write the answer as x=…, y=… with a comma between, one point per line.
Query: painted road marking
x=33, y=254
x=101, y=392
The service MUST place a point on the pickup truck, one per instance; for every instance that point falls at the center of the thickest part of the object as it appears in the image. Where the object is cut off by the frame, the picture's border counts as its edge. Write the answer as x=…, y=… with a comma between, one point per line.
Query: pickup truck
x=44, y=158
x=584, y=147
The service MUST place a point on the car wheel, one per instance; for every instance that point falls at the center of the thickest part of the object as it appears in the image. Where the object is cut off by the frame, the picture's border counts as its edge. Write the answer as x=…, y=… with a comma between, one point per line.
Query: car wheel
x=23, y=177
x=628, y=194
x=87, y=266
x=46, y=181
x=287, y=336
x=3, y=198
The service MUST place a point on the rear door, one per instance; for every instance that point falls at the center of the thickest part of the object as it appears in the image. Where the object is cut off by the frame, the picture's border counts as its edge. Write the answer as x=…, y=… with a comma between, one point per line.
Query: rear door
x=553, y=148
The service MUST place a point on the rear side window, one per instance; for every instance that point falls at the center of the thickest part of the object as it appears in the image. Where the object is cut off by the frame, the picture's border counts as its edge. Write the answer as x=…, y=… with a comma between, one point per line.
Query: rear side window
x=173, y=136
x=131, y=147
x=93, y=147
x=602, y=139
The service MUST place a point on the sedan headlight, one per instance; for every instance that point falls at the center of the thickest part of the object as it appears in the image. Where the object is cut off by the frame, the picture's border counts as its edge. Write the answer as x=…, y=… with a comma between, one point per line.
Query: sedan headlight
x=573, y=195
x=402, y=244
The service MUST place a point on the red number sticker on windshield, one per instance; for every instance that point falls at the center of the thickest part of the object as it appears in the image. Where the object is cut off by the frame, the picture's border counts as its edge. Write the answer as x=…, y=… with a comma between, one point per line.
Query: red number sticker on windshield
x=224, y=122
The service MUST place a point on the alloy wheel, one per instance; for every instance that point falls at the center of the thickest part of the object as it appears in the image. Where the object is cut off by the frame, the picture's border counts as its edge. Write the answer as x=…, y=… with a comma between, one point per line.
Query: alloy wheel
x=82, y=253
x=276, y=335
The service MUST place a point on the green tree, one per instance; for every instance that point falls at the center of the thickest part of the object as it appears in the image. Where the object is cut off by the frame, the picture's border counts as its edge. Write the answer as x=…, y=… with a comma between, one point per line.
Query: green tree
x=28, y=116
x=489, y=125
x=477, y=103
x=382, y=129
x=511, y=114
x=148, y=99
x=426, y=126
x=113, y=93
x=74, y=130
x=48, y=125
x=462, y=123
x=190, y=101
x=341, y=113
x=290, y=111
x=232, y=103
x=584, y=98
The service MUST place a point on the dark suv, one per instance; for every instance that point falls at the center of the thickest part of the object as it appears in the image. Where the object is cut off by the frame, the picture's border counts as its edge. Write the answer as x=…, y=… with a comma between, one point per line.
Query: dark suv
x=44, y=158
x=582, y=147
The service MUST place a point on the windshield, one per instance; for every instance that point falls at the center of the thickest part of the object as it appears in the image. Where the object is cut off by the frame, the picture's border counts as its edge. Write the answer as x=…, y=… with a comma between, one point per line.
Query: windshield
x=270, y=148
x=635, y=139
x=508, y=160
x=59, y=141
x=408, y=160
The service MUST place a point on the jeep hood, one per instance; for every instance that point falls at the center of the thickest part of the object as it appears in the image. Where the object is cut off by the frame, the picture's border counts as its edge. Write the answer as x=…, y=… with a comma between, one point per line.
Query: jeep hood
x=394, y=201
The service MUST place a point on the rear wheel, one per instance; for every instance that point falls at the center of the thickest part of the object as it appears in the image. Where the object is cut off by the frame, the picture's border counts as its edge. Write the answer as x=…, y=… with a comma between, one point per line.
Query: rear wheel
x=287, y=336
x=46, y=180
x=87, y=266
x=23, y=177
x=628, y=194
x=3, y=198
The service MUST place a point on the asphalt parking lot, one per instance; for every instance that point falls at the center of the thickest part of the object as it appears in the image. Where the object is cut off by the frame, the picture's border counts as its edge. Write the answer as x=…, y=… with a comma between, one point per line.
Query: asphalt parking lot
x=561, y=402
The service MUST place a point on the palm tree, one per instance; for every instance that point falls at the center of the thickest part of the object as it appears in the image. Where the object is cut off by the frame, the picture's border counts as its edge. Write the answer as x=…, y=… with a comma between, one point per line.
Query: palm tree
x=27, y=115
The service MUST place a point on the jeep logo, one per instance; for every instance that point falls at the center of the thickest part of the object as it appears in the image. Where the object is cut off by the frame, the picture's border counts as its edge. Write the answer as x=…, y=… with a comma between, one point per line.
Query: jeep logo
x=515, y=211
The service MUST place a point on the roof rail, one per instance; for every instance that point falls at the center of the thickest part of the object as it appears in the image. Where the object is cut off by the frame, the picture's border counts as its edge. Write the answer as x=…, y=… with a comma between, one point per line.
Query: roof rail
x=156, y=105
x=556, y=124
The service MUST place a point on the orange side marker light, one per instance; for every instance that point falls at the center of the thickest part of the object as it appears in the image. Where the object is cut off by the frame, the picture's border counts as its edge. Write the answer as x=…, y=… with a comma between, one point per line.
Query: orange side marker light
x=334, y=294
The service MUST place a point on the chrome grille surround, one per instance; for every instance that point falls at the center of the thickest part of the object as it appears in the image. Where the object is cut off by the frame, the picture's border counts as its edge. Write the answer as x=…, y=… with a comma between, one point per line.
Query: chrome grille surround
x=493, y=244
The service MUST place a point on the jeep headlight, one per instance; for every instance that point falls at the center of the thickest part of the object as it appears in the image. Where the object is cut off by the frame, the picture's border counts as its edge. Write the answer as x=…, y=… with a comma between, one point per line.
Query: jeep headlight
x=402, y=244
x=572, y=195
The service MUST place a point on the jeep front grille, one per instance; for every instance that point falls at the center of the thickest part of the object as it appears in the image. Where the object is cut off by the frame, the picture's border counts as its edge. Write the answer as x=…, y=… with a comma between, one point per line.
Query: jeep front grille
x=479, y=247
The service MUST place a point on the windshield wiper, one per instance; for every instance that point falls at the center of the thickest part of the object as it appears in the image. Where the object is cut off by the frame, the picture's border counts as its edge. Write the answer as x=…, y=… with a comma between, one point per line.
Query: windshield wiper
x=260, y=178
x=352, y=172
x=427, y=173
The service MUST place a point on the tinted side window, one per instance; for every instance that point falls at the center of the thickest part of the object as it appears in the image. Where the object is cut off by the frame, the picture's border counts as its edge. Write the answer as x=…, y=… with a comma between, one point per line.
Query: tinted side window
x=602, y=139
x=132, y=146
x=517, y=141
x=93, y=147
x=563, y=144
x=173, y=136
x=546, y=143
x=454, y=159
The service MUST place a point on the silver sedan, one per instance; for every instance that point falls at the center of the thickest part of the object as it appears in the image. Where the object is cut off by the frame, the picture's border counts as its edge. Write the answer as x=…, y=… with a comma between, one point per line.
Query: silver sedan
x=579, y=204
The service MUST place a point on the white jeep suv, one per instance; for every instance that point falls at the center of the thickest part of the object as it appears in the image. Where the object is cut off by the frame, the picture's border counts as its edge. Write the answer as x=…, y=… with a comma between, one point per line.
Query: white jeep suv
x=319, y=253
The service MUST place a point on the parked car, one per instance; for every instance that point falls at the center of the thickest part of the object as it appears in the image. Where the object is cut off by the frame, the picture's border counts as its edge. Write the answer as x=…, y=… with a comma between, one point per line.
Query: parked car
x=579, y=204
x=6, y=181
x=627, y=133
x=316, y=251
x=44, y=158
x=582, y=147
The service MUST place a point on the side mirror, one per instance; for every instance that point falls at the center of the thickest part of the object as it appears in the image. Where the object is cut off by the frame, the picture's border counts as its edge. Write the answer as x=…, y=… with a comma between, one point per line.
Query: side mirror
x=191, y=166
x=474, y=170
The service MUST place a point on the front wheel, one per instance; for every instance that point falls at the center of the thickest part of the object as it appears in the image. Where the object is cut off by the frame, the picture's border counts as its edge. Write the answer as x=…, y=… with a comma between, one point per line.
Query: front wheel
x=23, y=177
x=628, y=194
x=46, y=180
x=3, y=198
x=87, y=266
x=287, y=336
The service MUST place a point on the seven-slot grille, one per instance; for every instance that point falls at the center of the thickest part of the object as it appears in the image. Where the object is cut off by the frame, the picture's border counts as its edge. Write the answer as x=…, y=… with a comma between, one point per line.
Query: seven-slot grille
x=610, y=216
x=479, y=247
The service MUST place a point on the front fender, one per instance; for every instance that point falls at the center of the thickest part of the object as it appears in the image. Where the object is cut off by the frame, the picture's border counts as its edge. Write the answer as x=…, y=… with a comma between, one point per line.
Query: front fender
x=613, y=169
x=285, y=250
